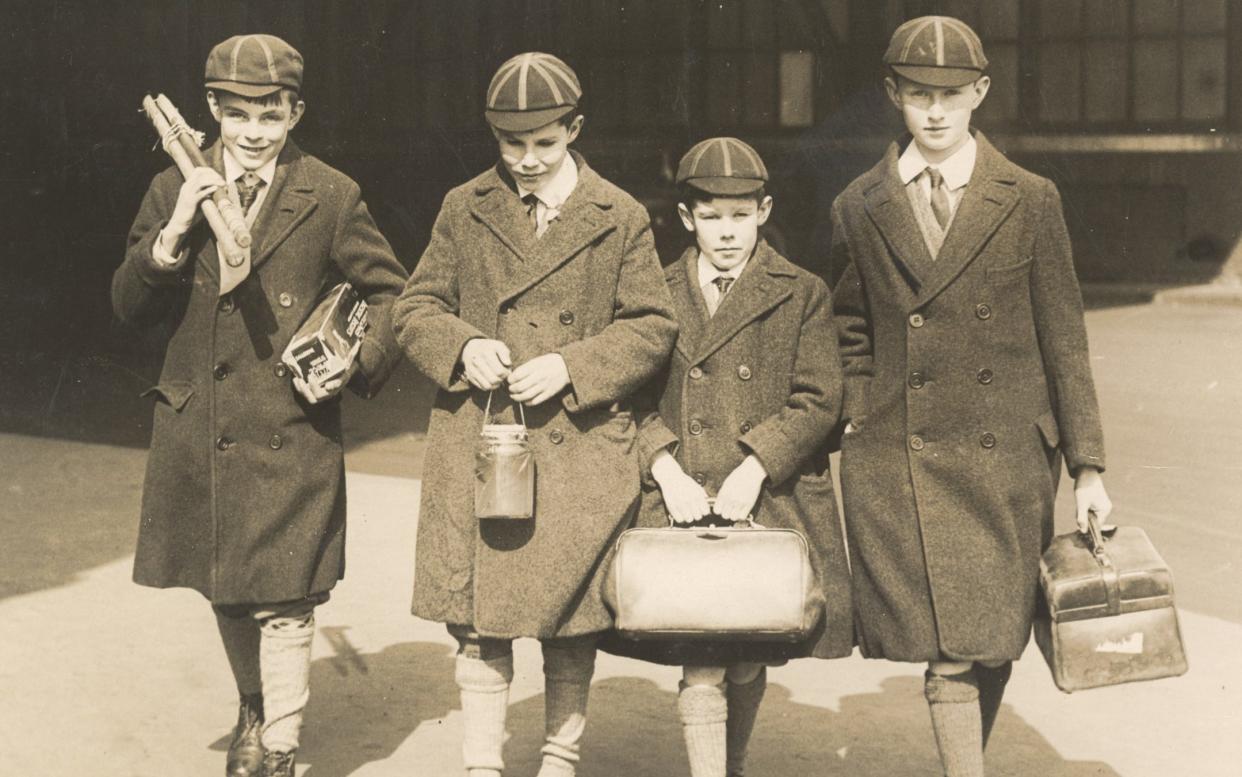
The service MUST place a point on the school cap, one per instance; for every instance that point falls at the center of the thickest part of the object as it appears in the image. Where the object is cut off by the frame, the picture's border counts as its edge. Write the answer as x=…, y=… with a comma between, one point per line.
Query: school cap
x=254, y=66
x=722, y=166
x=937, y=51
x=531, y=90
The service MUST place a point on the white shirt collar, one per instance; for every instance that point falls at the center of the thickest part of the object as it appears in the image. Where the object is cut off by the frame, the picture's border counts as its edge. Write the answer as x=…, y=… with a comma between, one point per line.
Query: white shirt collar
x=558, y=188
x=233, y=169
x=709, y=272
x=956, y=169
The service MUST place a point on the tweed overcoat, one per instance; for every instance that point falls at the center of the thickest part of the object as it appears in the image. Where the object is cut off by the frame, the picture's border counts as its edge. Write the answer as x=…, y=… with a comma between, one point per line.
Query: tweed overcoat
x=968, y=378
x=244, y=498
x=590, y=288
x=761, y=376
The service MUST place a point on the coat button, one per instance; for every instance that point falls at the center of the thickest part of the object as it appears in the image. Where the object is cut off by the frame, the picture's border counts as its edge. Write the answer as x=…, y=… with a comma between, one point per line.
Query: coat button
x=281, y=370
x=285, y=299
x=983, y=311
x=221, y=371
x=916, y=380
x=567, y=317
x=916, y=442
x=506, y=309
x=745, y=427
x=276, y=442
x=696, y=372
x=985, y=376
x=225, y=305
x=700, y=478
x=917, y=320
x=988, y=440
x=556, y=436
x=696, y=426
x=743, y=372
x=223, y=443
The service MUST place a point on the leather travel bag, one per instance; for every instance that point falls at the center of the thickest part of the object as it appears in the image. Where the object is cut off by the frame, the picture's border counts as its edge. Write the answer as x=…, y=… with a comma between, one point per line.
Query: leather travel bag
x=1107, y=614
x=742, y=582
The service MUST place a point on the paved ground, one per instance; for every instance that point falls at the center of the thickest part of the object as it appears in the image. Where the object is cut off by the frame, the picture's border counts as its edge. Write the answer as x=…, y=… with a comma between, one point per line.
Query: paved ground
x=101, y=677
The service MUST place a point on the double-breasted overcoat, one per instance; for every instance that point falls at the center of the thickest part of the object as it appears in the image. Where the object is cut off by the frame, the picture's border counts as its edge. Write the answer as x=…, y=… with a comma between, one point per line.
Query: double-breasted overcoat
x=762, y=376
x=244, y=498
x=591, y=289
x=967, y=377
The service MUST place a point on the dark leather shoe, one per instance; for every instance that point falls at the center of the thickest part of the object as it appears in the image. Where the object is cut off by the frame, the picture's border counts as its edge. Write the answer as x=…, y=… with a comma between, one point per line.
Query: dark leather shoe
x=278, y=764
x=246, y=750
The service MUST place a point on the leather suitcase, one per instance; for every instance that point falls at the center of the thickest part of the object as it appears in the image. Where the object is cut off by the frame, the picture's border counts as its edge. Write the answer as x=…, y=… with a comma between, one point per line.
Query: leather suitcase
x=712, y=583
x=1107, y=614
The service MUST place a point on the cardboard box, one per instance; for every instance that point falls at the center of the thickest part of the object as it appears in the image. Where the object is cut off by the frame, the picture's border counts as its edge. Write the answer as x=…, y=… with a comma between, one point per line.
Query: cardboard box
x=327, y=343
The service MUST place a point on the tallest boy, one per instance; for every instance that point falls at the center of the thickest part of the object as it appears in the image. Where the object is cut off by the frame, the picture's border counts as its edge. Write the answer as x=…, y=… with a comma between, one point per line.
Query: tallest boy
x=966, y=381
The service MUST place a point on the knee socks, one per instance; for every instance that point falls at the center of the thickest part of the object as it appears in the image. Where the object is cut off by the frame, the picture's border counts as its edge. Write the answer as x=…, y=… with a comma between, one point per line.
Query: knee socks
x=484, y=687
x=567, y=672
x=992, y=682
x=954, y=704
x=240, y=634
x=284, y=661
x=743, y=708
x=703, y=710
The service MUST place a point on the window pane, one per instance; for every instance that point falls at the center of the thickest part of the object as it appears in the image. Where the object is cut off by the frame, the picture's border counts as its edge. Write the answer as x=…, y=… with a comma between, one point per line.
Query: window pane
x=999, y=19
x=1001, y=104
x=1106, y=81
x=1059, y=82
x=1203, y=79
x=1059, y=18
x=759, y=89
x=966, y=10
x=1107, y=17
x=797, y=88
x=759, y=27
x=1155, y=79
x=1203, y=15
x=1155, y=16
x=723, y=20
x=722, y=89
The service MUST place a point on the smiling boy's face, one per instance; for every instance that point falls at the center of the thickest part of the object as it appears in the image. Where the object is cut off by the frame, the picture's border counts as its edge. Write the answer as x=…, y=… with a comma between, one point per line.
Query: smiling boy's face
x=726, y=228
x=534, y=157
x=937, y=116
x=254, y=133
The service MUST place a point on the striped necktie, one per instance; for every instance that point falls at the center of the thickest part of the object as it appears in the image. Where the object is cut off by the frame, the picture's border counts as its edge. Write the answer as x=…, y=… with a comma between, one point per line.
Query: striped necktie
x=248, y=187
x=939, y=198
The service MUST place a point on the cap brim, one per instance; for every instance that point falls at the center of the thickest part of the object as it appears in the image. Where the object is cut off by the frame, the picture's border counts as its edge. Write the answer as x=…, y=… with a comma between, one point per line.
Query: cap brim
x=524, y=121
x=726, y=186
x=938, y=76
x=246, y=90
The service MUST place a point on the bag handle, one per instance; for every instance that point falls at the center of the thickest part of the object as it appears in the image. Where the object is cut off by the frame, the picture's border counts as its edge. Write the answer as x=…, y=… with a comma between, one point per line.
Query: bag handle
x=1108, y=571
x=749, y=520
x=487, y=411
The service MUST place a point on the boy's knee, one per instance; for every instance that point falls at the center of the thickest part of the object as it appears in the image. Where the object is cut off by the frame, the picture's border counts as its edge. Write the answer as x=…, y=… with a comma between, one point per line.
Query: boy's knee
x=702, y=675
x=743, y=674
x=572, y=658
x=471, y=645
x=950, y=687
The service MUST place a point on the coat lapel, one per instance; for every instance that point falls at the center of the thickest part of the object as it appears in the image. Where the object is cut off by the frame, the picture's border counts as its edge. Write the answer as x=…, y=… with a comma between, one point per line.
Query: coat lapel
x=764, y=284
x=889, y=208
x=287, y=205
x=988, y=200
x=497, y=206
x=688, y=303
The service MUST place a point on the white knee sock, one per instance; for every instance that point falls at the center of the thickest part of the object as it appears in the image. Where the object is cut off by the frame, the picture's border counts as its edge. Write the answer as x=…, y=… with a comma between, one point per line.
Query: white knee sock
x=284, y=660
x=703, y=710
x=484, y=687
x=567, y=672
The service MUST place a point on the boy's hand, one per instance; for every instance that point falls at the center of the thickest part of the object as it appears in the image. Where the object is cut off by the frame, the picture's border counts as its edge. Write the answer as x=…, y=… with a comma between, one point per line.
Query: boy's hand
x=539, y=379
x=314, y=393
x=685, y=499
x=201, y=182
x=740, y=490
x=1090, y=495
x=486, y=363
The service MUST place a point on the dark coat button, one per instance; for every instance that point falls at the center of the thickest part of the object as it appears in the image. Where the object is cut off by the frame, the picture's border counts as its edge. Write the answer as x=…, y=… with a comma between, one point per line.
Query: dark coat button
x=281, y=370
x=276, y=442
x=506, y=309
x=225, y=305
x=567, y=317
x=916, y=442
x=696, y=372
x=746, y=427
x=556, y=436
x=221, y=371
x=700, y=478
x=983, y=311
x=696, y=426
x=223, y=443
x=917, y=320
x=916, y=380
x=743, y=372
x=285, y=299
x=984, y=376
x=988, y=440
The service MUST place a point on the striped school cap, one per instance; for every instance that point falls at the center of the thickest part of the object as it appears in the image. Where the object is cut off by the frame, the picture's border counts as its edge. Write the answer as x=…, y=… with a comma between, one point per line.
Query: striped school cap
x=937, y=51
x=723, y=166
x=254, y=66
x=531, y=90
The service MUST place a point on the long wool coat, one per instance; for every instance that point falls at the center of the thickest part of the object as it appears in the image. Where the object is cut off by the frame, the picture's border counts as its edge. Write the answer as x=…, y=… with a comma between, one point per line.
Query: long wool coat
x=589, y=289
x=761, y=376
x=244, y=498
x=967, y=377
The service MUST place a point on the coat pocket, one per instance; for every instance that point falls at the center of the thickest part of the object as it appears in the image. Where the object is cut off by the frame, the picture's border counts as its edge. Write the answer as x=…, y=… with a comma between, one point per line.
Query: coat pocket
x=176, y=394
x=1047, y=425
x=1010, y=272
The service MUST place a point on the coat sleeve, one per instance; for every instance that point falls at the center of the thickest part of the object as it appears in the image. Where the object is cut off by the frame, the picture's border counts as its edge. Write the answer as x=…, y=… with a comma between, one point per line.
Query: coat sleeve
x=611, y=365
x=1061, y=328
x=426, y=317
x=654, y=435
x=853, y=323
x=784, y=440
x=142, y=288
x=367, y=261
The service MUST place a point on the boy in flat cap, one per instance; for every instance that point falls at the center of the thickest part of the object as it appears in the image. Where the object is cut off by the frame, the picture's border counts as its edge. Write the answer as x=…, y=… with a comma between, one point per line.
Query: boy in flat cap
x=244, y=499
x=967, y=380
x=741, y=415
x=540, y=286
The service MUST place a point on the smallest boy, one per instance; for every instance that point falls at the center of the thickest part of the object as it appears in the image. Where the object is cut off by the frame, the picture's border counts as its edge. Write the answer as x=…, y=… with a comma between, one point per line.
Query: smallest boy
x=745, y=409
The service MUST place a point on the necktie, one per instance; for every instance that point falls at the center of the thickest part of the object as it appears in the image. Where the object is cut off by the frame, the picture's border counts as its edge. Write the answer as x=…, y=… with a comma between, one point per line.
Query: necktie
x=939, y=198
x=532, y=210
x=248, y=187
x=722, y=283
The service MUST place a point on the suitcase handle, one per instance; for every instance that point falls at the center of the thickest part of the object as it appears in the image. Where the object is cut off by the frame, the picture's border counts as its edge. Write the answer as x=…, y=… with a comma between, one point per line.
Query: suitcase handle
x=1108, y=572
x=748, y=521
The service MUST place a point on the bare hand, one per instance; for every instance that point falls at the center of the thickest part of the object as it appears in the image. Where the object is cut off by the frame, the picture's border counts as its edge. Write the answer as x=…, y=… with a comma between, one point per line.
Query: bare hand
x=740, y=490
x=486, y=363
x=539, y=379
x=1090, y=496
x=684, y=498
x=314, y=393
x=201, y=182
